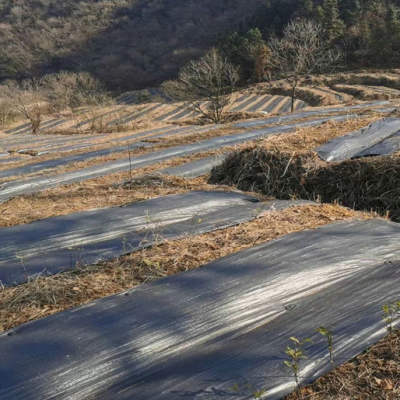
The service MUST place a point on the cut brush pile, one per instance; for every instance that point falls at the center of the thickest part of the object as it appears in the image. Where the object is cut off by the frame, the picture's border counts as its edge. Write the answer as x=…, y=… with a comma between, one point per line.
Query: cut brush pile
x=295, y=171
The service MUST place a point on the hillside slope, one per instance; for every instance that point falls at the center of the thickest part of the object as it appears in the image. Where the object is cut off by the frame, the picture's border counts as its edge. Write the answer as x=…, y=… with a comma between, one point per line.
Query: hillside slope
x=132, y=44
x=128, y=44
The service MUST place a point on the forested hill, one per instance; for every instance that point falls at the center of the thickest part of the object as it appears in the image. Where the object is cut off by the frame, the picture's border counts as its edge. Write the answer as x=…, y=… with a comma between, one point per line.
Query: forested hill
x=126, y=43
x=131, y=44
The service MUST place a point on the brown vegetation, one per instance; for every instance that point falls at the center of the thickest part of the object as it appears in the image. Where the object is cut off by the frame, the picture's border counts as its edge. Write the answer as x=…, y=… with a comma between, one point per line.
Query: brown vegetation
x=303, y=50
x=290, y=169
x=373, y=375
x=100, y=192
x=48, y=295
x=205, y=86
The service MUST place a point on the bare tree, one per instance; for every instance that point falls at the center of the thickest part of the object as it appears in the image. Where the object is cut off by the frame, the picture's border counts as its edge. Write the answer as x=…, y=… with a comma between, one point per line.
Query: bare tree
x=206, y=85
x=73, y=90
x=27, y=97
x=6, y=107
x=302, y=50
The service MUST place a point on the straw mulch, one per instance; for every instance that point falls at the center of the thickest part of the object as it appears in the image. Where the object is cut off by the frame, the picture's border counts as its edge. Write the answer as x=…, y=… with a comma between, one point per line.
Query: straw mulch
x=363, y=184
x=47, y=295
x=373, y=375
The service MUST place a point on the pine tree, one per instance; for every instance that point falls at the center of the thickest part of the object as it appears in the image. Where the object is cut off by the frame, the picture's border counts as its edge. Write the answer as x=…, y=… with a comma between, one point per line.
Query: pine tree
x=349, y=11
x=306, y=8
x=331, y=20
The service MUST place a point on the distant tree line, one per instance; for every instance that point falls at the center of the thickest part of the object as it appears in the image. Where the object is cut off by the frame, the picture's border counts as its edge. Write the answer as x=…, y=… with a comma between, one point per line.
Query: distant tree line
x=368, y=31
x=31, y=98
x=127, y=44
x=207, y=85
x=131, y=44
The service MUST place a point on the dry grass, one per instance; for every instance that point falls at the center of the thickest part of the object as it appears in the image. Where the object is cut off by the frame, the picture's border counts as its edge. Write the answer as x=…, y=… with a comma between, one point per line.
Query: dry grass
x=277, y=166
x=347, y=84
x=96, y=193
x=366, y=184
x=312, y=95
x=367, y=93
x=48, y=295
x=306, y=139
x=373, y=375
x=288, y=168
x=160, y=144
x=96, y=143
x=100, y=192
x=361, y=78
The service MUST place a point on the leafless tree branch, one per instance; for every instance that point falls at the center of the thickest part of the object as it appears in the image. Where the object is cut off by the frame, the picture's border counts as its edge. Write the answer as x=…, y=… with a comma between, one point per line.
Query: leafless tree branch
x=206, y=85
x=302, y=50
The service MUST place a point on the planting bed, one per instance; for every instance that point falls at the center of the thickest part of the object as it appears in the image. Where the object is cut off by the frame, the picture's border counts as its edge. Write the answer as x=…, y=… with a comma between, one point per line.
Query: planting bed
x=378, y=139
x=206, y=331
x=37, y=184
x=61, y=243
x=232, y=321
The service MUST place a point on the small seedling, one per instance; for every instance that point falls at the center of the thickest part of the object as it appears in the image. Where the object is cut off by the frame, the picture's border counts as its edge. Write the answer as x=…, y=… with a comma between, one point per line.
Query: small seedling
x=257, y=394
x=156, y=227
x=130, y=160
x=296, y=354
x=258, y=211
x=328, y=333
x=194, y=221
x=390, y=311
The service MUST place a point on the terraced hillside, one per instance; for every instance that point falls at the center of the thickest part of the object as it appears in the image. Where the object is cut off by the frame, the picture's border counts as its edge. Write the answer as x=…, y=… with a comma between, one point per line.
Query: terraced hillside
x=106, y=219
x=339, y=88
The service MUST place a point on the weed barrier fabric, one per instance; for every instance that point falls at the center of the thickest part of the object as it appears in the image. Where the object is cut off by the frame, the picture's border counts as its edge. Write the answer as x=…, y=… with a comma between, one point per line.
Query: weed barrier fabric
x=60, y=243
x=41, y=183
x=256, y=106
x=44, y=126
x=27, y=127
x=59, y=162
x=142, y=134
x=98, y=117
x=196, y=168
x=170, y=114
x=45, y=139
x=135, y=116
x=187, y=132
x=9, y=159
x=378, y=138
x=198, y=333
x=249, y=100
x=337, y=95
x=385, y=147
x=287, y=104
x=310, y=113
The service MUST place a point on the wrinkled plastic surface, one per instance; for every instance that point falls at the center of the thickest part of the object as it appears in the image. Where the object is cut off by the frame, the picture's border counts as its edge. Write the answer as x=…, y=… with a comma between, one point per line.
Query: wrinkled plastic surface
x=379, y=138
x=59, y=162
x=309, y=113
x=55, y=163
x=54, y=244
x=197, y=334
x=37, y=184
x=196, y=168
